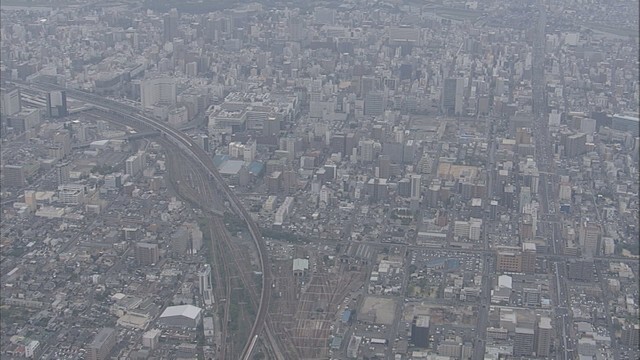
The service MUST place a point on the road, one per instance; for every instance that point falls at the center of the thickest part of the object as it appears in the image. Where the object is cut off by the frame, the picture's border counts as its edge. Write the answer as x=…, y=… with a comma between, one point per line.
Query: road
x=548, y=180
x=187, y=145
x=485, y=296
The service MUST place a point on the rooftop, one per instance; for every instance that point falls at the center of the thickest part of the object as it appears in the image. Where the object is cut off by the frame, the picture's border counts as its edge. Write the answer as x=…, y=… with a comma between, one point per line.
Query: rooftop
x=189, y=311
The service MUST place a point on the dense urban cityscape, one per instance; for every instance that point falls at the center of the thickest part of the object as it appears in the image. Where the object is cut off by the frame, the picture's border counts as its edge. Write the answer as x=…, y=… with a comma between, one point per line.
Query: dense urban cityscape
x=441, y=180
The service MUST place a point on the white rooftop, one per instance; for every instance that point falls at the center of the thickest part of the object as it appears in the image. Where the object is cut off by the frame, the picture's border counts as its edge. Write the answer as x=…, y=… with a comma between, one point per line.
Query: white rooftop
x=300, y=264
x=189, y=311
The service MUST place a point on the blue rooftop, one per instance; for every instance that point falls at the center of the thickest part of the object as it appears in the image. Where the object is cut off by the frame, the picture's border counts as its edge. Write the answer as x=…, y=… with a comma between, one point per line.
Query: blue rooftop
x=346, y=315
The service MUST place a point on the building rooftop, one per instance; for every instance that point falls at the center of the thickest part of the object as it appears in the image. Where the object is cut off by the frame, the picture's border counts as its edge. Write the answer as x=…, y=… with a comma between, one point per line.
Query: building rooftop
x=189, y=311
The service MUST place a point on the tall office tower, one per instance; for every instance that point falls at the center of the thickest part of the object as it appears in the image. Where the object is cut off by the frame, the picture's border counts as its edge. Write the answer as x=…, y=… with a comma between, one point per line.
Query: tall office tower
x=523, y=342
x=384, y=166
x=205, y=286
x=271, y=127
x=296, y=28
x=30, y=200
x=13, y=176
x=374, y=103
x=631, y=335
x=409, y=152
x=63, y=139
x=416, y=187
x=528, y=256
x=57, y=104
x=475, y=229
x=452, y=96
x=575, y=144
x=158, y=91
x=10, y=100
x=134, y=164
x=62, y=172
x=404, y=187
x=368, y=84
x=170, y=25
x=366, y=150
x=420, y=331
x=543, y=337
x=191, y=69
x=590, y=238
x=147, y=253
x=102, y=344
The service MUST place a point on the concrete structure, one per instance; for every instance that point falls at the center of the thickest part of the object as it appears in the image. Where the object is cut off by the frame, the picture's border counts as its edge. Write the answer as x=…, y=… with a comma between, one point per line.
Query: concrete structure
x=147, y=253
x=523, y=342
x=181, y=316
x=156, y=91
x=544, y=334
x=626, y=123
x=10, y=100
x=420, y=331
x=102, y=344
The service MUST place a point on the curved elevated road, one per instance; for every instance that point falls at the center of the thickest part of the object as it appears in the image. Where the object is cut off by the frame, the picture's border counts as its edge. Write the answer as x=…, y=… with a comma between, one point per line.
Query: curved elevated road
x=184, y=142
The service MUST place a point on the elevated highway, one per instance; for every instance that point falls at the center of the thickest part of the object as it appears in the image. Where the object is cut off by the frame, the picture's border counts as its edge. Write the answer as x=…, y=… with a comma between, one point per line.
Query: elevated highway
x=132, y=115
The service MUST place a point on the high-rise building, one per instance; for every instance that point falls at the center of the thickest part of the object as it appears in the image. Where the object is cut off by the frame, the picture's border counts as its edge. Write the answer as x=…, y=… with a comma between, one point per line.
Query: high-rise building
x=416, y=187
x=631, y=335
x=10, y=102
x=63, y=139
x=528, y=256
x=170, y=25
x=544, y=335
x=366, y=150
x=57, y=104
x=475, y=229
x=150, y=338
x=384, y=166
x=452, y=96
x=590, y=238
x=523, y=342
x=158, y=91
x=420, y=331
x=102, y=344
x=147, y=253
x=205, y=286
x=134, y=164
x=374, y=103
x=30, y=200
x=626, y=123
x=575, y=144
x=62, y=172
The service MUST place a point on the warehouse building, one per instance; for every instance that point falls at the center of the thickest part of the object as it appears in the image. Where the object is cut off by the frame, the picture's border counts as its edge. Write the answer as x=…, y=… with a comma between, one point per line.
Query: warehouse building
x=181, y=316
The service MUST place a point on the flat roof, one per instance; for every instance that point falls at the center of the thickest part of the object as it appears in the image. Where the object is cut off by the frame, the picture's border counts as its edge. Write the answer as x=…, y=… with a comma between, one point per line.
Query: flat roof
x=101, y=337
x=231, y=167
x=300, y=264
x=422, y=321
x=626, y=117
